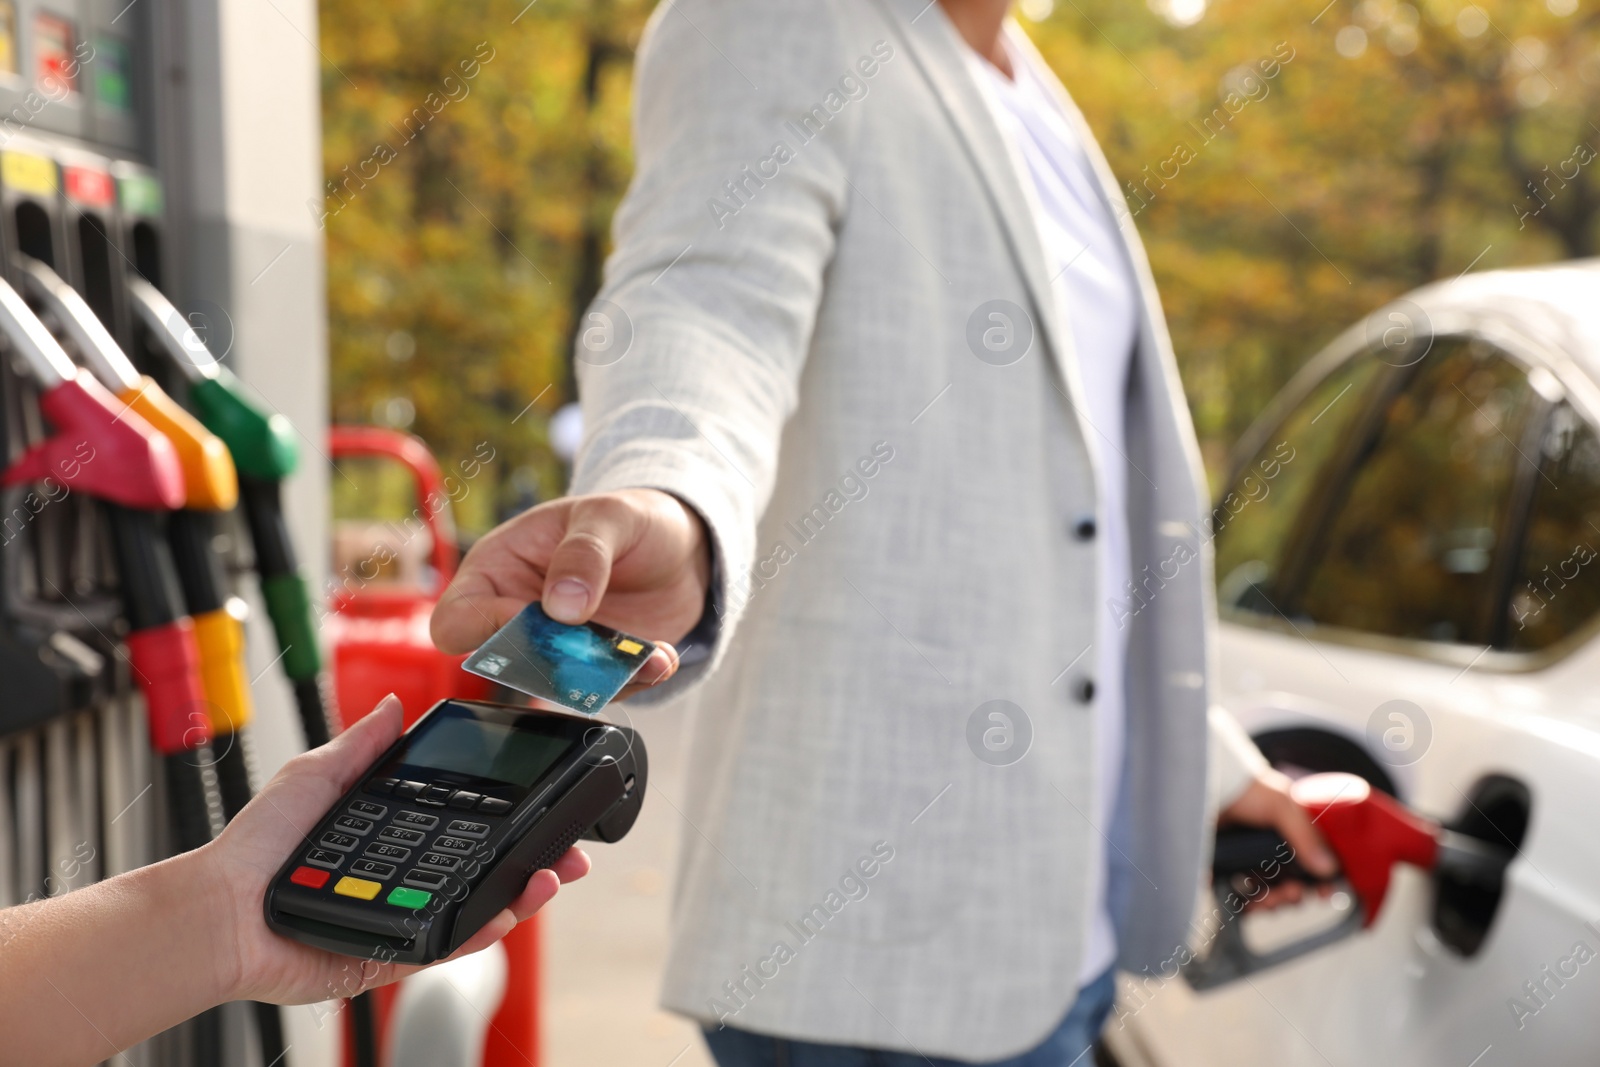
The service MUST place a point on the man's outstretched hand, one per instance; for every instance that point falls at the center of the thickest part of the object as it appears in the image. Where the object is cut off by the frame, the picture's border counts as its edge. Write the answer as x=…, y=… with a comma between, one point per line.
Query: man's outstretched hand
x=638, y=560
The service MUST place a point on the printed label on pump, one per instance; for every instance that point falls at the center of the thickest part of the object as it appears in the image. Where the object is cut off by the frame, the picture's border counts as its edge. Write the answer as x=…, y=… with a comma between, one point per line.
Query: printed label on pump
x=111, y=77
x=88, y=186
x=139, y=194
x=54, y=41
x=25, y=172
x=8, y=37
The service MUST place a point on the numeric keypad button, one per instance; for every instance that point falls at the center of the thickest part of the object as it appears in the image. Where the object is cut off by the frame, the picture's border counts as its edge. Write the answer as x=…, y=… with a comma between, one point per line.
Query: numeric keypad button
x=424, y=879
x=392, y=853
x=342, y=842
x=354, y=824
x=402, y=835
x=373, y=869
x=420, y=820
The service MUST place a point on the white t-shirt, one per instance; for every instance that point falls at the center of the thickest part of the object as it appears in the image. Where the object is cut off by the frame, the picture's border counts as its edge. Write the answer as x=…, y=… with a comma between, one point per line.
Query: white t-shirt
x=1098, y=299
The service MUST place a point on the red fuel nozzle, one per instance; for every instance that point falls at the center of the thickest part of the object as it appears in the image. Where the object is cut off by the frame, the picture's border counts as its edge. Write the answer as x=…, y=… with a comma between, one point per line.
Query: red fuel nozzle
x=1369, y=831
x=101, y=447
x=166, y=661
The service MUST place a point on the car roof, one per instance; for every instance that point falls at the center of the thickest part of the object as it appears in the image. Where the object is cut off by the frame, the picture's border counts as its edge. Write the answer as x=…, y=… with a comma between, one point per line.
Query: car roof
x=1558, y=304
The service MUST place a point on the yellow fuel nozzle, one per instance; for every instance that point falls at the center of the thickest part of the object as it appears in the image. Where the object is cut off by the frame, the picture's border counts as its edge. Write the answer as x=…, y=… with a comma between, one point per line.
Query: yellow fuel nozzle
x=220, y=635
x=210, y=483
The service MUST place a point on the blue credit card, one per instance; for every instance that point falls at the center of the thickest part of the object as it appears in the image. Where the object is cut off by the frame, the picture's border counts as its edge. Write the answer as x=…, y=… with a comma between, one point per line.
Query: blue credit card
x=578, y=667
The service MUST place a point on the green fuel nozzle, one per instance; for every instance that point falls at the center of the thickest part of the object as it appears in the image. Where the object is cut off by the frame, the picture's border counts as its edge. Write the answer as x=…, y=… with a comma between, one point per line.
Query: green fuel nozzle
x=262, y=444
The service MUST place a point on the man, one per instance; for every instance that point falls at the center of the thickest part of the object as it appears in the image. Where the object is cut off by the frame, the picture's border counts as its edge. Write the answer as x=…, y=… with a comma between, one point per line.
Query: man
x=884, y=427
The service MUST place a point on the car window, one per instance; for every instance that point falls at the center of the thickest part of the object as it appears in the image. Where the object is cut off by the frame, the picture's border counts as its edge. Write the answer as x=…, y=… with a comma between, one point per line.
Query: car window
x=1254, y=518
x=1557, y=586
x=1408, y=552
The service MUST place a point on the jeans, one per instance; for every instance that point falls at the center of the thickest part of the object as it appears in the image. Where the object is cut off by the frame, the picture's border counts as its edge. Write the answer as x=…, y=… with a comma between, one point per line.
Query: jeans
x=1068, y=1046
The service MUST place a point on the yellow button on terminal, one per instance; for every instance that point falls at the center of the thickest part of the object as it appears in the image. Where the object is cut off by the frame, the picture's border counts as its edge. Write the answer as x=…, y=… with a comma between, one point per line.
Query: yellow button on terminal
x=359, y=888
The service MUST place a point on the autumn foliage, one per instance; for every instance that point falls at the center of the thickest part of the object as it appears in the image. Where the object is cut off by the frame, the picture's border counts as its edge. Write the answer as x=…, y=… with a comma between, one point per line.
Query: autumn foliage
x=1290, y=167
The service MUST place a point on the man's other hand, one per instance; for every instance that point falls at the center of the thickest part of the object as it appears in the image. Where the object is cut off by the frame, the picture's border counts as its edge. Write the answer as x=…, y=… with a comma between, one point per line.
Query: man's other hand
x=638, y=560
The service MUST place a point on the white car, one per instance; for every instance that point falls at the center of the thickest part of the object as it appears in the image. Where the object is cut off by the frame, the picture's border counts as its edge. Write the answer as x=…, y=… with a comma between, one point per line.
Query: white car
x=1408, y=572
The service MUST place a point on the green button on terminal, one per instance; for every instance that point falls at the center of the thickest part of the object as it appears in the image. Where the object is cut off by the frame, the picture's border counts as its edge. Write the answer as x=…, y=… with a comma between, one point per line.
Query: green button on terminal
x=408, y=898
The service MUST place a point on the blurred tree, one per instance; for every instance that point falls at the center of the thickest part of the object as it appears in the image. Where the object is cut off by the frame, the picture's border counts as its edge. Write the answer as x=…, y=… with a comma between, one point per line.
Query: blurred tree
x=1290, y=167
x=473, y=157
x=1336, y=157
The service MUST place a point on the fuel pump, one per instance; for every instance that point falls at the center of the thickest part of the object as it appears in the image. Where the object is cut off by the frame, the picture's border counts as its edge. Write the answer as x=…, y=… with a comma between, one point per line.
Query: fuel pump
x=54, y=567
x=264, y=451
x=162, y=649
x=112, y=455
x=120, y=637
x=263, y=448
x=90, y=196
x=59, y=666
x=1369, y=831
x=193, y=532
x=52, y=654
x=211, y=488
x=161, y=640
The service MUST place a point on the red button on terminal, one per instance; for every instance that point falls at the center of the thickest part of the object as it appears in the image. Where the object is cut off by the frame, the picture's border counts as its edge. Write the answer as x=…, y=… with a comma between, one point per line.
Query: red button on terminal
x=309, y=876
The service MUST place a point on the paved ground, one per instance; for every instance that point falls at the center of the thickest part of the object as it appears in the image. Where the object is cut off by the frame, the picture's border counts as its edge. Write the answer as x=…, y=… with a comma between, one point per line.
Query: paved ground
x=605, y=937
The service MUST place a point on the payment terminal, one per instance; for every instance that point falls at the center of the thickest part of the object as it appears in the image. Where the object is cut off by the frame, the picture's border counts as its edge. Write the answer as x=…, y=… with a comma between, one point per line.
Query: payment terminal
x=443, y=832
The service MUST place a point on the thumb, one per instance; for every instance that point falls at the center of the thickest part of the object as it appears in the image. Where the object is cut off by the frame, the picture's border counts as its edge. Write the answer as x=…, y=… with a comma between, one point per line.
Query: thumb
x=580, y=567
x=347, y=757
x=1310, y=849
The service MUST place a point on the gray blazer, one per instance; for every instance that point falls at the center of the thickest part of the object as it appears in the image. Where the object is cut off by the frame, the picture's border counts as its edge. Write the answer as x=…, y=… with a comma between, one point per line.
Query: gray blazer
x=798, y=336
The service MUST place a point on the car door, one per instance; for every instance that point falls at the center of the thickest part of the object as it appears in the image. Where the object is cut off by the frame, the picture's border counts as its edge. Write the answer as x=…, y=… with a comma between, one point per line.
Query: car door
x=1405, y=579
